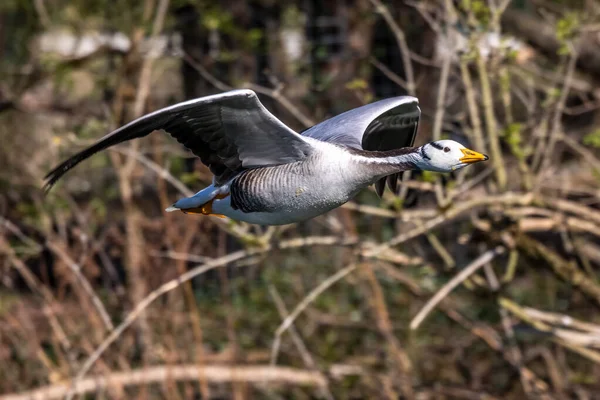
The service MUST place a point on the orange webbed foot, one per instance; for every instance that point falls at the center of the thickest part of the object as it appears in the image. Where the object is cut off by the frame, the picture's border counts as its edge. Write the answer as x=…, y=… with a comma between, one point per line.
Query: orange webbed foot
x=206, y=208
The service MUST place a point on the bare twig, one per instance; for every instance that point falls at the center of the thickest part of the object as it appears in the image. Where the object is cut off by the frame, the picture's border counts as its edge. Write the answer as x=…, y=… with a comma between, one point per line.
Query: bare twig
x=559, y=109
x=567, y=270
x=513, y=348
x=397, y=353
x=125, y=169
x=440, y=107
x=273, y=93
x=490, y=120
x=154, y=167
x=205, y=74
x=85, y=284
x=307, y=358
x=472, y=106
x=42, y=11
x=18, y=233
x=326, y=284
x=453, y=283
x=282, y=309
x=284, y=101
x=587, y=155
x=392, y=76
x=145, y=73
x=573, y=340
x=562, y=320
x=36, y=286
x=401, y=40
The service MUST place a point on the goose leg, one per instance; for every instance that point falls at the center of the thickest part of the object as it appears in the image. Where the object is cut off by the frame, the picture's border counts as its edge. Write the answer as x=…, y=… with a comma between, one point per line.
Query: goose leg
x=206, y=208
x=200, y=203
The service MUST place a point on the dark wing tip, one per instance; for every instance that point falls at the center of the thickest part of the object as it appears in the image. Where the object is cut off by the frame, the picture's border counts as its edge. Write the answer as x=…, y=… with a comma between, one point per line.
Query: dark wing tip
x=47, y=186
x=135, y=129
x=53, y=176
x=380, y=187
x=392, y=181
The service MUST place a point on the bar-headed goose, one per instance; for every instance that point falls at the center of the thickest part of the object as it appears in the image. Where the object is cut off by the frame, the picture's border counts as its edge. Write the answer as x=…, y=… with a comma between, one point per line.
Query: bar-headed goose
x=265, y=173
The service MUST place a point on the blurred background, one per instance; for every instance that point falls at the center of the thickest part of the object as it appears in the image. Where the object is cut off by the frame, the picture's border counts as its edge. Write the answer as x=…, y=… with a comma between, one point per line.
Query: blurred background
x=483, y=284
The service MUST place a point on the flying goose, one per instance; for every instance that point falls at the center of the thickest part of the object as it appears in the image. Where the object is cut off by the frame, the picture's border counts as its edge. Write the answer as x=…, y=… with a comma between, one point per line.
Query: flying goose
x=265, y=173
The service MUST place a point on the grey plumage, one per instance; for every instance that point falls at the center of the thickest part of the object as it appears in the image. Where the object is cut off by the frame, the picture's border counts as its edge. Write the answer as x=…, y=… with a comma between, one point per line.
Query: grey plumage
x=248, y=188
x=266, y=173
x=383, y=125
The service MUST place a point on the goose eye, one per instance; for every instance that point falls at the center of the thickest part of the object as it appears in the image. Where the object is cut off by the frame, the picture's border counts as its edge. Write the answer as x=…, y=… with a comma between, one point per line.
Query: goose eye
x=446, y=149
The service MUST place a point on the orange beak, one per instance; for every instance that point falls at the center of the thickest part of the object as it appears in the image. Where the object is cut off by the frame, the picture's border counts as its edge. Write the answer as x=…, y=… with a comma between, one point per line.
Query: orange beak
x=471, y=156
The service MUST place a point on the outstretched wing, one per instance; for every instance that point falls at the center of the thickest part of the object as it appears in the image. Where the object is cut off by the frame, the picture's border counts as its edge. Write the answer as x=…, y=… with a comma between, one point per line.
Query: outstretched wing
x=380, y=126
x=230, y=131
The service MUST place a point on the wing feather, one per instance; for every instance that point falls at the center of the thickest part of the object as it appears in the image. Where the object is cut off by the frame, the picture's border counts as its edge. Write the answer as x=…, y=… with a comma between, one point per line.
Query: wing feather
x=380, y=126
x=229, y=132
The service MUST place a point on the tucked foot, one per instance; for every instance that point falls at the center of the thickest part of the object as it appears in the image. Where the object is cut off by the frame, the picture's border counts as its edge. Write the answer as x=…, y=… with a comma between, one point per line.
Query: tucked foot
x=203, y=209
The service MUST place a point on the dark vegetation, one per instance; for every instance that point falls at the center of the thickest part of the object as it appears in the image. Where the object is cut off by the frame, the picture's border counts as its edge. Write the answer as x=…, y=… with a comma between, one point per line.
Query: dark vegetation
x=482, y=284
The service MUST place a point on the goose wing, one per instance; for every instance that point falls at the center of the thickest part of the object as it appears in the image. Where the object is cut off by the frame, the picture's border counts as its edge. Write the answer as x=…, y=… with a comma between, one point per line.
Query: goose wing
x=380, y=126
x=230, y=131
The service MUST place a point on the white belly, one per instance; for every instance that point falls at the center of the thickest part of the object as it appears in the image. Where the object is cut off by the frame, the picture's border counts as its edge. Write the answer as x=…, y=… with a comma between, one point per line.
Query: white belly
x=279, y=217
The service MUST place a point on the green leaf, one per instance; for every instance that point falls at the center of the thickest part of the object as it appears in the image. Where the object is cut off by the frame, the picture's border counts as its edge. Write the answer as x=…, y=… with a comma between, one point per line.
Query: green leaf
x=512, y=136
x=566, y=27
x=592, y=139
x=357, y=83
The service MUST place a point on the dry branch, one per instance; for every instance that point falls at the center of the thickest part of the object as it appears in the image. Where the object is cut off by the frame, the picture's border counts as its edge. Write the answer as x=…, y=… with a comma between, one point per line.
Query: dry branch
x=256, y=374
x=307, y=358
x=453, y=283
x=273, y=93
x=85, y=284
x=470, y=96
x=559, y=110
x=289, y=320
x=567, y=270
x=574, y=340
x=402, y=44
x=398, y=355
x=284, y=101
x=490, y=121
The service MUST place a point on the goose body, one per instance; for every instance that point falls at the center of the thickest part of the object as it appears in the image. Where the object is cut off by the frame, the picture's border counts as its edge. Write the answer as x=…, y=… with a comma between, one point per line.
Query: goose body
x=267, y=174
x=298, y=191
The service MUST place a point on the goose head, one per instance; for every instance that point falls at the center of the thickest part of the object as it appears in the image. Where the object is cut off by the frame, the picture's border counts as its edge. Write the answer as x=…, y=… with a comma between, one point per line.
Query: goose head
x=446, y=156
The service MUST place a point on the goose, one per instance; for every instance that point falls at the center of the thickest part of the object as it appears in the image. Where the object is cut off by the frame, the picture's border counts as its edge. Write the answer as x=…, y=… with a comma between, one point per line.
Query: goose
x=265, y=173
